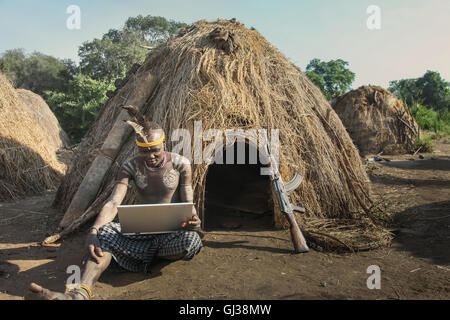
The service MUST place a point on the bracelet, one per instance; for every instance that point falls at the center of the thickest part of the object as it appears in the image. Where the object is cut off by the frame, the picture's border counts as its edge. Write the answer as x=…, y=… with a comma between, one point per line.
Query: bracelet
x=94, y=227
x=122, y=182
x=89, y=292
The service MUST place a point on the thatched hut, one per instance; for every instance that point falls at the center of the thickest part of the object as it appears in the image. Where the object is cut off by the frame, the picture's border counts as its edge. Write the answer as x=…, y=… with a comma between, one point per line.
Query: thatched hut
x=377, y=121
x=28, y=160
x=230, y=77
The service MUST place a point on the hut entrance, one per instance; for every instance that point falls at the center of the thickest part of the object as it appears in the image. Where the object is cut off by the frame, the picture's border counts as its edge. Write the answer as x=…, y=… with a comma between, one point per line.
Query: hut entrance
x=237, y=196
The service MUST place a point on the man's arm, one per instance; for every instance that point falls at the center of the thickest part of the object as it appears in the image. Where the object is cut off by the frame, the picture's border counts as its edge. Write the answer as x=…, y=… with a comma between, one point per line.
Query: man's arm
x=187, y=195
x=106, y=215
x=109, y=210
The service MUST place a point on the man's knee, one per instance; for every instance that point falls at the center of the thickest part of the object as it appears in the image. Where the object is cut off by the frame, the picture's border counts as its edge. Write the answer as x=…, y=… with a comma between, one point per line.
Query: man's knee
x=192, y=238
x=193, y=244
x=185, y=246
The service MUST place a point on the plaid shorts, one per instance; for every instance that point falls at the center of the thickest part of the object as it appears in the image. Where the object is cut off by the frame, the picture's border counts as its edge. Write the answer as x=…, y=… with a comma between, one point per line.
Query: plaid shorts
x=136, y=252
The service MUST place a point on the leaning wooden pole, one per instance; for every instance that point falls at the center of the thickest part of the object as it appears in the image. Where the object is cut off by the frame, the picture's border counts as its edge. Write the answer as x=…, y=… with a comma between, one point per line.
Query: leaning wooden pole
x=141, y=87
x=87, y=215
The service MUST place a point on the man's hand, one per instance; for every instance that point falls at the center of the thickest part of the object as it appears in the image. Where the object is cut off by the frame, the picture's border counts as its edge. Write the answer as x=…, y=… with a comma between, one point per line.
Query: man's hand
x=92, y=248
x=192, y=224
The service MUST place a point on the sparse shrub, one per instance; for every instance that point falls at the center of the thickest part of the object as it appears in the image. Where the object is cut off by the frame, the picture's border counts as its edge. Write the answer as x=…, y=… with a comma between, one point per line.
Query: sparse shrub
x=425, y=143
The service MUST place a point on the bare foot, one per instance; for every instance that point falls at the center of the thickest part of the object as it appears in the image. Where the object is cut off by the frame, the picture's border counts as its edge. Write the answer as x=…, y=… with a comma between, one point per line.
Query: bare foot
x=36, y=292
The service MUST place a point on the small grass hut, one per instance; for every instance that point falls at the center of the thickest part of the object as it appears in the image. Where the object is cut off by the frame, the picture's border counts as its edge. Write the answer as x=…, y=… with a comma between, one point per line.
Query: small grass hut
x=28, y=160
x=230, y=77
x=377, y=121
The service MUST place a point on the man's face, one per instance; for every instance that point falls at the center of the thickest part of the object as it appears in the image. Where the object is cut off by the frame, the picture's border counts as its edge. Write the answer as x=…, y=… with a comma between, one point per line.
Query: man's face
x=153, y=156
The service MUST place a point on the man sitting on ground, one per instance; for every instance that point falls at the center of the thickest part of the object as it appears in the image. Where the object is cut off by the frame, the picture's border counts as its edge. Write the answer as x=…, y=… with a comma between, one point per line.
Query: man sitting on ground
x=160, y=177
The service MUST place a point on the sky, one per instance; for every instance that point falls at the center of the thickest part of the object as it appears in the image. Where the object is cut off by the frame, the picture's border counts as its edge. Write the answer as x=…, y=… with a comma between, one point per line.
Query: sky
x=413, y=35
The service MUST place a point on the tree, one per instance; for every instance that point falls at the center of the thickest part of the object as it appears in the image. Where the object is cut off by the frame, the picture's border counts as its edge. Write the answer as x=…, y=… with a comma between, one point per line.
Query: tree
x=108, y=59
x=111, y=56
x=435, y=90
x=77, y=108
x=37, y=72
x=430, y=90
x=154, y=30
x=12, y=65
x=332, y=77
x=406, y=90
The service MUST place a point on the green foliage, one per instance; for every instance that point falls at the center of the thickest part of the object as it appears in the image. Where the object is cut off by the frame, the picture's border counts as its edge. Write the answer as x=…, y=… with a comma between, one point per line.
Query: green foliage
x=12, y=65
x=406, y=90
x=429, y=100
x=430, y=90
x=76, y=93
x=444, y=122
x=37, y=72
x=154, y=30
x=425, y=143
x=431, y=120
x=77, y=108
x=332, y=77
x=108, y=59
x=111, y=56
x=435, y=91
x=426, y=118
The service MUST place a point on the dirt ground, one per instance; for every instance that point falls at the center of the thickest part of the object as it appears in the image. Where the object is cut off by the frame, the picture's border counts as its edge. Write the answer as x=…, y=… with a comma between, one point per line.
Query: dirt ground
x=250, y=263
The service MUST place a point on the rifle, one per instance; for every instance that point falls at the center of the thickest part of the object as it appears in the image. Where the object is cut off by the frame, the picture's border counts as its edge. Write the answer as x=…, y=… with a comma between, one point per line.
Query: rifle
x=282, y=192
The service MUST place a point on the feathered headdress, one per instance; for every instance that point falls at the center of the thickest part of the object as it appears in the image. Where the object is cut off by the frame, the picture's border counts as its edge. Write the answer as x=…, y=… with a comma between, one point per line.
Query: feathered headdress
x=141, y=126
x=138, y=121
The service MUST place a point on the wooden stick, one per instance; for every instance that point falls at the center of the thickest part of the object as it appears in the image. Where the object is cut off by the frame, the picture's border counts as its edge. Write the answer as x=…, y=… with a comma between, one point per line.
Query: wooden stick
x=417, y=150
x=87, y=215
x=298, y=209
x=146, y=47
x=406, y=124
x=331, y=237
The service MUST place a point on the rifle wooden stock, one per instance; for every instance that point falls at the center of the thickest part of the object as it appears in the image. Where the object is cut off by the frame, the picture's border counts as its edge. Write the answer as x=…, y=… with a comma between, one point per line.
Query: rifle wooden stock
x=298, y=240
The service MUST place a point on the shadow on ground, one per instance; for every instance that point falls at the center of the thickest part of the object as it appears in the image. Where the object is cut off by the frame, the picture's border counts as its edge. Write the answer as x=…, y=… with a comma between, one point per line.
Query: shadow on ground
x=443, y=163
x=241, y=244
x=393, y=180
x=425, y=231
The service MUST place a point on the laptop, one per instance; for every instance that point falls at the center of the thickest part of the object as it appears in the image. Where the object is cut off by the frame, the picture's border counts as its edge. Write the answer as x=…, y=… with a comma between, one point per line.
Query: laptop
x=153, y=218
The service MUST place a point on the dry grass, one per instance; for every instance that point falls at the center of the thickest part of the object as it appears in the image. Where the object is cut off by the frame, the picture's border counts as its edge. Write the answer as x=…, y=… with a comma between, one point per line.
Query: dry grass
x=40, y=111
x=377, y=121
x=245, y=82
x=28, y=162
